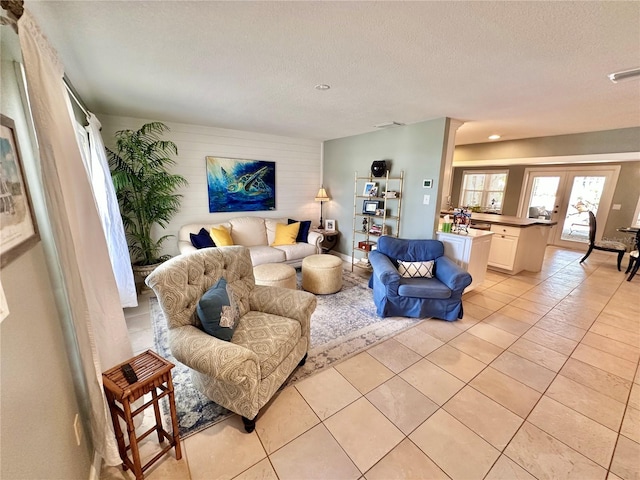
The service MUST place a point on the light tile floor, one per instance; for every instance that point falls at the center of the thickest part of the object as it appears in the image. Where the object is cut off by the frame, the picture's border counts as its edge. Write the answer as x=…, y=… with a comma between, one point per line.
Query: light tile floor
x=538, y=380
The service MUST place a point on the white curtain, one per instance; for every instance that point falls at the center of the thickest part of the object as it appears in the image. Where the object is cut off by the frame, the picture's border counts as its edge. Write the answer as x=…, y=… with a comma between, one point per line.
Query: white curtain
x=95, y=159
x=80, y=244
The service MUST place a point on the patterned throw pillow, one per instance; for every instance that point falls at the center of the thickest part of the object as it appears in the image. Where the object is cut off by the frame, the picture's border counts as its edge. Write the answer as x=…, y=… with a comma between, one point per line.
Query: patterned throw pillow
x=416, y=269
x=218, y=312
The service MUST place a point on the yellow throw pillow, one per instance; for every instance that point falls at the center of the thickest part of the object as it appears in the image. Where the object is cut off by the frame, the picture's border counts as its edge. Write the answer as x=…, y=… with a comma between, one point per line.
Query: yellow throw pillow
x=221, y=237
x=286, y=234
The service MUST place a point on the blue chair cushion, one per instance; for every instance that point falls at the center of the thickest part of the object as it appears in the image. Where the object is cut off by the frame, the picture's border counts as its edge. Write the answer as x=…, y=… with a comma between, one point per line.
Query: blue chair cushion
x=423, y=288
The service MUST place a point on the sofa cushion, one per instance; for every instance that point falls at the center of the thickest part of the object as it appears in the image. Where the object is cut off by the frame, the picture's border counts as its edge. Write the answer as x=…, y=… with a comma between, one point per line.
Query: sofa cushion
x=264, y=254
x=297, y=251
x=221, y=236
x=303, y=233
x=201, y=239
x=248, y=231
x=423, y=288
x=416, y=269
x=217, y=311
x=270, y=337
x=286, y=234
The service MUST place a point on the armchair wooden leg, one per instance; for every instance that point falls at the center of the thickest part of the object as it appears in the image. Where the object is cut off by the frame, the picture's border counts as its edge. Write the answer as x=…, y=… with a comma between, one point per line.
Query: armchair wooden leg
x=249, y=425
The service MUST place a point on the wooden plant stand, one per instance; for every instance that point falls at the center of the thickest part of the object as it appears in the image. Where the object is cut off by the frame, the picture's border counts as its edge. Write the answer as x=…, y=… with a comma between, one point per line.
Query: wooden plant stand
x=154, y=374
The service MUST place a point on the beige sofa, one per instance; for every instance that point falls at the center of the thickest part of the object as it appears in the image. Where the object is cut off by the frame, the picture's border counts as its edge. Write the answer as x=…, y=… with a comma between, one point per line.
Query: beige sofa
x=257, y=234
x=271, y=337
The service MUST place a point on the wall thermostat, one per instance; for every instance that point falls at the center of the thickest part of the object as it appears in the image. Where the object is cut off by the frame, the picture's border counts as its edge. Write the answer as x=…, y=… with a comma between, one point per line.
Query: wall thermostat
x=427, y=183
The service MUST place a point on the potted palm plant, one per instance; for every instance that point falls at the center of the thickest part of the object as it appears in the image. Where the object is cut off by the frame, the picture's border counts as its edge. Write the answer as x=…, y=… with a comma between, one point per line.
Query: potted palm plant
x=145, y=188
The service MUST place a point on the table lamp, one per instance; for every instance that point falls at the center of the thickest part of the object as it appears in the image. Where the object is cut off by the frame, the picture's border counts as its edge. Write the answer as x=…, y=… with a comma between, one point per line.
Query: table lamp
x=322, y=197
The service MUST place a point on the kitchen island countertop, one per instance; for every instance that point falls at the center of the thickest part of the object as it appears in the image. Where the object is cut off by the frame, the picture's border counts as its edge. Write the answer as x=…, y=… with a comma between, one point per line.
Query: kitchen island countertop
x=505, y=220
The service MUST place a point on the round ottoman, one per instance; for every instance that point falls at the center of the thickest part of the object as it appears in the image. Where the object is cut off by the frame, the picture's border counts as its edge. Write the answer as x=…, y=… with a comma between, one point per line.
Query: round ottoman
x=275, y=275
x=322, y=274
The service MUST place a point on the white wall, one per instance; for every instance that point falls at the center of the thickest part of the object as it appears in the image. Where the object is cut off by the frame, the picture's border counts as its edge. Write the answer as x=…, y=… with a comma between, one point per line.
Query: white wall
x=298, y=167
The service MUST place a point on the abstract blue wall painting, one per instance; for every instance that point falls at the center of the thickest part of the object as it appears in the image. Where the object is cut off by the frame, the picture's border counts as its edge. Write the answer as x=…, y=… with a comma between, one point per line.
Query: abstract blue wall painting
x=237, y=185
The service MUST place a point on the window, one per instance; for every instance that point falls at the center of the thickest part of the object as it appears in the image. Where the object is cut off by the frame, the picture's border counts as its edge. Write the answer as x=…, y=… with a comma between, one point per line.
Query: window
x=484, y=189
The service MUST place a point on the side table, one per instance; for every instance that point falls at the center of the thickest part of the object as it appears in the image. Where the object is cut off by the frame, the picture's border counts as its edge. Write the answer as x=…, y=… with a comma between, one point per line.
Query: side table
x=154, y=374
x=330, y=239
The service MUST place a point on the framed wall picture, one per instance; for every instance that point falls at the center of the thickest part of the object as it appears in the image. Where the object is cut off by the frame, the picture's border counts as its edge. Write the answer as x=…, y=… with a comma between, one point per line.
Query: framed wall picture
x=370, y=189
x=18, y=228
x=239, y=185
x=330, y=225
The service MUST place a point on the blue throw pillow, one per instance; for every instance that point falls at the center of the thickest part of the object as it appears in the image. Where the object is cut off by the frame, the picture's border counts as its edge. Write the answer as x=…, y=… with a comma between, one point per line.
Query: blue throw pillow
x=202, y=239
x=217, y=311
x=303, y=233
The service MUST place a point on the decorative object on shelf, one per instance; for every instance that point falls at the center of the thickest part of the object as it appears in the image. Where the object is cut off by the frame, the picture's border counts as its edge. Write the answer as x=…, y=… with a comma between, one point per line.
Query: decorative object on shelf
x=365, y=225
x=379, y=212
x=366, y=245
x=390, y=194
x=18, y=228
x=369, y=207
x=239, y=185
x=330, y=225
x=368, y=188
x=322, y=197
x=375, y=230
x=379, y=168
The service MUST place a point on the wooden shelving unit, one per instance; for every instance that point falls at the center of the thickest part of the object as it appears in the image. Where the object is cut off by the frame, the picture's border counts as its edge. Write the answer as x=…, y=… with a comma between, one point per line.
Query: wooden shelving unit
x=367, y=227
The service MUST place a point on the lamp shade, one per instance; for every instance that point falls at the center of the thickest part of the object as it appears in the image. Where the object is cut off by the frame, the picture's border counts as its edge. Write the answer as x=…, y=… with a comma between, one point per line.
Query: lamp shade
x=322, y=196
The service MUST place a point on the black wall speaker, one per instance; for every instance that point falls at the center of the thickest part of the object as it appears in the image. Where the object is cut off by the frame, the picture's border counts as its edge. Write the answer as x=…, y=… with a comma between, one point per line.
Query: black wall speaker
x=379, y=168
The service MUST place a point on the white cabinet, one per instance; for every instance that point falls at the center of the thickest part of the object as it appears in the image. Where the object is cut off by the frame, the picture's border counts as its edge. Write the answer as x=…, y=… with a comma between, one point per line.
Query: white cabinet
x=503, y=251
x=515, y=248
x=470, y=251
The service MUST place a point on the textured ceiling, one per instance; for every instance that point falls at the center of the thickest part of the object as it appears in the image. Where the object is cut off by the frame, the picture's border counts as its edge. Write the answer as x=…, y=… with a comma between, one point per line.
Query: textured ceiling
x=519, y=69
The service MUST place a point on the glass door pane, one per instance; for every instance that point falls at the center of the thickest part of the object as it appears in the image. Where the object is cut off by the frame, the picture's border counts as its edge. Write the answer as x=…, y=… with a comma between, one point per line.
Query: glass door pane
x=542, y=200
x=586, y=192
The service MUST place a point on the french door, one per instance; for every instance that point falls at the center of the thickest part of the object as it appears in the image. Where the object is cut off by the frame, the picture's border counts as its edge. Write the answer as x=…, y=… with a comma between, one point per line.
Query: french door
x=566, y=195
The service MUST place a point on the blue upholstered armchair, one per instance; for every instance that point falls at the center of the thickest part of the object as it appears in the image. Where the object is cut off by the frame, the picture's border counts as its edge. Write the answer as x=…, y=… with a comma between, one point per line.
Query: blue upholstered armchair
x=418, y=297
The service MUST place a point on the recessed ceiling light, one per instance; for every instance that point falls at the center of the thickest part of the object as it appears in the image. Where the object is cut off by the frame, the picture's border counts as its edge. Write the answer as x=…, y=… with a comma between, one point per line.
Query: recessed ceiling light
x=626, y=75
x=494, y=137
x=322, y=86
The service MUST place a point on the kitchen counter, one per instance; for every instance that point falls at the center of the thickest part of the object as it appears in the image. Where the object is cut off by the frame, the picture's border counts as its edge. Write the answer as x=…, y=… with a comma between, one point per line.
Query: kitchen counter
x=470, y=250
x=507, y=220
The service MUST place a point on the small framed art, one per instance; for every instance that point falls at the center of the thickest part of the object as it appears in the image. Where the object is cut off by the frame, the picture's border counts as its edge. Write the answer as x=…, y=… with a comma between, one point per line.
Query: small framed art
x=330, y=225
x=370, y=189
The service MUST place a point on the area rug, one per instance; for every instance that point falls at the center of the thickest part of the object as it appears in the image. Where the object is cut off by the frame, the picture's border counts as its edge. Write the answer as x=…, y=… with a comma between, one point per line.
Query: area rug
x=343, y=324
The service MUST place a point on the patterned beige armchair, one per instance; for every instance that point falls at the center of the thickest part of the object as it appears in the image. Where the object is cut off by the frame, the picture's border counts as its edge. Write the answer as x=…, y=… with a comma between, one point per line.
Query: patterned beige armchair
x=270, y=340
